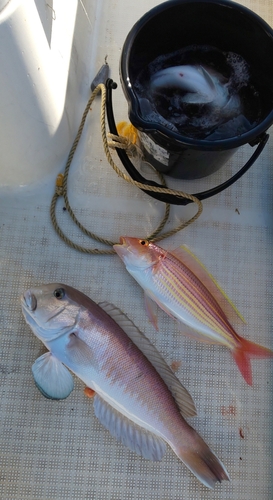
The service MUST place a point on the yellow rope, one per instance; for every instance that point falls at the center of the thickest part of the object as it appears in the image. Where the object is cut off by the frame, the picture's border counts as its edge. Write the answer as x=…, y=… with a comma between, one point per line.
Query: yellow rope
x=62, y=179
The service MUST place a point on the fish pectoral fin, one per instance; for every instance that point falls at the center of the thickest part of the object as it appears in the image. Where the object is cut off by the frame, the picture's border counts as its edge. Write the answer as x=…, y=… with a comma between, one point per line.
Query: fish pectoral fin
x=90, y=393
x=78, y=352
x=179, y=392
x=133, y=436
x=184, y=254
x=151, y=310
x=164, y=308
x=51, y=377
x=195, y=98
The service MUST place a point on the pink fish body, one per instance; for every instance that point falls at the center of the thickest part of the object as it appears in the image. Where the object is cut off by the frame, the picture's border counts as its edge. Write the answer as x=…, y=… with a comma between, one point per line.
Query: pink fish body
x=138, y=399
x=179, y=284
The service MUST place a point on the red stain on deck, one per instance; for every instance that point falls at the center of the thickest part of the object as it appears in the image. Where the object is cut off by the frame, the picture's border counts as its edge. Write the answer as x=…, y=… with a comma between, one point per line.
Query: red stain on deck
x=228, y=410
x=175, y=365
x=241, y=433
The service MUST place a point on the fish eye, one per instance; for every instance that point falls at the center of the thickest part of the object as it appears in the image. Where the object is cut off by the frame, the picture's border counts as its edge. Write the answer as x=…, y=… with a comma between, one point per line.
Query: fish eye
x=59, y=293
x=144, y=243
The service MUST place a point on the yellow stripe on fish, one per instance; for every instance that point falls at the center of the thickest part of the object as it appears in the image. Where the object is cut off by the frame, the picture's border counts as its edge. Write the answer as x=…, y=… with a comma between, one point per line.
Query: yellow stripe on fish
x=217, y=287
x=188, y=295
x=183, y=288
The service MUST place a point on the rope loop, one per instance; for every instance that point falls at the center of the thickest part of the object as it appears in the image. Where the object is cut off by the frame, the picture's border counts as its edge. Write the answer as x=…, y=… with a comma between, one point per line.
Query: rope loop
x=119, y=141
x=131, y=149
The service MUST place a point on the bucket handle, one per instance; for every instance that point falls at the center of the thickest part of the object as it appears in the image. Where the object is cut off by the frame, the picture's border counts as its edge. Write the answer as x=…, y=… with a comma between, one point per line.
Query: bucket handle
x=170, y=198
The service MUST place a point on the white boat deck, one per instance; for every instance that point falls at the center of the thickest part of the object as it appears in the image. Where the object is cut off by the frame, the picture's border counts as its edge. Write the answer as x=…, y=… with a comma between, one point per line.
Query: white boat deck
x=57, y=450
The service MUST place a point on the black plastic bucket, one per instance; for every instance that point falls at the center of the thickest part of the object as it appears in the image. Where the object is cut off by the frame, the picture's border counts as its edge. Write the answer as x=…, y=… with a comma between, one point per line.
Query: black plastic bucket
x=175, y=24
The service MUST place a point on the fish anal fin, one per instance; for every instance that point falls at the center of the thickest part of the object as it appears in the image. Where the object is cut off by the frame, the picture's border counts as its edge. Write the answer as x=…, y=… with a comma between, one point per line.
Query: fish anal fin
x=133, y=436
x=79, y=352
x=190, y=260
x=51, y=377
x=196, y=335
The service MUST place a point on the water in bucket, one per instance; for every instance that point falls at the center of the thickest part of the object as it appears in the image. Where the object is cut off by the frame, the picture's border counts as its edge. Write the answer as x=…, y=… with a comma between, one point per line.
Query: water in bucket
x=186, y=139
x=200, y=92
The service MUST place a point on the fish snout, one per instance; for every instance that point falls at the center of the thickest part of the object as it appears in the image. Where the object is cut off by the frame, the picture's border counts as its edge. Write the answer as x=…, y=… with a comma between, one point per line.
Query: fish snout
x=122, y=247
x=122, y=242
x=30, y=300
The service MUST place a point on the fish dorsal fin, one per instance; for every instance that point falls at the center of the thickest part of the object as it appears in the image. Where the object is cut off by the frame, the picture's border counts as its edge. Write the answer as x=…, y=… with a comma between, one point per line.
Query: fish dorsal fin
x=208, y=78
x=133, y=436
x=180, y=394
x=51, y=377
x=190, y=260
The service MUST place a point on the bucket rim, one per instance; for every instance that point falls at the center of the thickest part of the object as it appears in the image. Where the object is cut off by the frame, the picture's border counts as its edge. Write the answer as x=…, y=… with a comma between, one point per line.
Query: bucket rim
x=156, y=129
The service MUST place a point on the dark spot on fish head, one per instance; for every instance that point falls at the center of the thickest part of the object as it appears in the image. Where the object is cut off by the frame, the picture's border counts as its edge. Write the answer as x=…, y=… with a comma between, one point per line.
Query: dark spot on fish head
x=181, y=74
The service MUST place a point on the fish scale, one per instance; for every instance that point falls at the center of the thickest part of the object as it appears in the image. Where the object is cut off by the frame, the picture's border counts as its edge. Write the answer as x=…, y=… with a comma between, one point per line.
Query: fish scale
x=188, y=292
x=180, y=285
x=133, y=401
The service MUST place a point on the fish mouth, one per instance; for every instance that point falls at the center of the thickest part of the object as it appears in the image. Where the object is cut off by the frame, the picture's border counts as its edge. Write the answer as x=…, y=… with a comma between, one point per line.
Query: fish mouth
x=29, y=306
x=29, y=301
x=122, y=242
x=121, y=247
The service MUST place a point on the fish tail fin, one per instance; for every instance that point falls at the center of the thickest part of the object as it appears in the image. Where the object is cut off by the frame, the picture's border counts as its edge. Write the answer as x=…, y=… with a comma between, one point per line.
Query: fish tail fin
x=244, y=352
x=202, y=462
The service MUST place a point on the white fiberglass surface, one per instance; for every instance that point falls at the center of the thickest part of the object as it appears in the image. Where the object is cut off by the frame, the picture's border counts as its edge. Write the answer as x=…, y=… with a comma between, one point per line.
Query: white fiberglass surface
x=57, y=450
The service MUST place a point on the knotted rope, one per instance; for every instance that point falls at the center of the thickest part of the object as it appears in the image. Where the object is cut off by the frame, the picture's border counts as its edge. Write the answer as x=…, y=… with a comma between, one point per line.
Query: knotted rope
x=116, y=141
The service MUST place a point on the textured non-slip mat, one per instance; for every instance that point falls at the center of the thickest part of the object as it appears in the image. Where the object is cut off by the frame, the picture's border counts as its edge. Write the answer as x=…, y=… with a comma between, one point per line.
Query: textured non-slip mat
x=57, y=450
